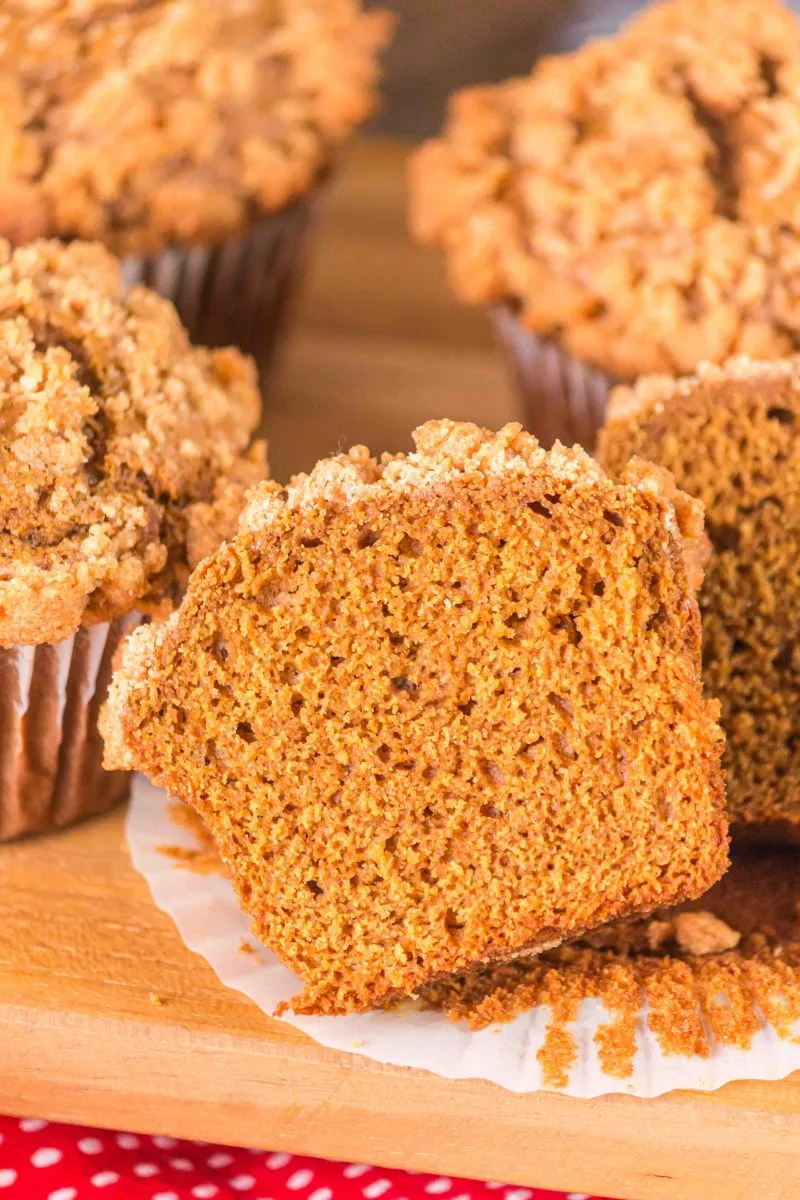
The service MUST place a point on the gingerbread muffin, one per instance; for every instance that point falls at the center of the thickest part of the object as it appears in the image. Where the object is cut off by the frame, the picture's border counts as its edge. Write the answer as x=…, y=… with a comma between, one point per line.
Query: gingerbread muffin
x=731, y=436
x=630, y=208
x=189, y=136
x=123, y=460
x=439, y=709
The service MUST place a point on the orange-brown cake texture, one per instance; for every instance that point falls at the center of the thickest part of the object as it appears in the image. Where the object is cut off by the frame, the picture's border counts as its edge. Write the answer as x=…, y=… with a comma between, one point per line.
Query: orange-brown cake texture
x=731, y=436
x=439, y=709
x=638, y=200
x=123, y=449
x=174, y=120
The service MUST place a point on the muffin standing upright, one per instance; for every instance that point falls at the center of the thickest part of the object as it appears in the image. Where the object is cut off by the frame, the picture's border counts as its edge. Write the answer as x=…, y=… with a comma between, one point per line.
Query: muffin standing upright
x=731, y=436
x=633, y=207
x=124, y=460
x=193, y=138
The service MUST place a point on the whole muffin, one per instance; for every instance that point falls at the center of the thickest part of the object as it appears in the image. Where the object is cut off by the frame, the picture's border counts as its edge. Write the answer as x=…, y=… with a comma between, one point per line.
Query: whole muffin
x=174, y=124
x=630, y=208
x=731, y=437
x=123, y=462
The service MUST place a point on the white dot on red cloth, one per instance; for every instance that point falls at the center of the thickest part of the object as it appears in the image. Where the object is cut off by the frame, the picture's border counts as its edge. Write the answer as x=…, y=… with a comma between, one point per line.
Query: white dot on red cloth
x=321, y=1194
x=32, y=1124
x=437, y=1186
x=145, y=1170
x=204, y=1191
x=7, y=1177
x=46, y=1156
x=181, y=1164
x=462, y=1196
x=241, y=1183
x=577, y=1196
x=163, y=1143
x=104, y=1178
x=354, y=1170
x=373, y=1190
x=127, y=1141
x=67, y=1193
x=166, y=1196
x=518, y=1194
x=276, y=1161
x=219, y=1160
x=299, y=1180
x=90, y=1145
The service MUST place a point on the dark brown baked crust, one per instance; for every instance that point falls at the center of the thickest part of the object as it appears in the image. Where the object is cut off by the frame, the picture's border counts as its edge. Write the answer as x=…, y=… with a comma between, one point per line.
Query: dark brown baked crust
x=639, y=200
x=140, y=125
x=731, y=436
x=437, y=710
x=123, y=449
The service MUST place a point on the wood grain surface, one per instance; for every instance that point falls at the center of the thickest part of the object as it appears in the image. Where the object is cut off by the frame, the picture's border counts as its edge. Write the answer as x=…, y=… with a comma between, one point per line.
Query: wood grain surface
x=379, y=347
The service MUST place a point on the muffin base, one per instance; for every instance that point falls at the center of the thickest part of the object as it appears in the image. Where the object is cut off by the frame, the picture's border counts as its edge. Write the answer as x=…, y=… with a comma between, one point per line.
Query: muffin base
x=239, y=293
x=51, y=750
x=563, y=399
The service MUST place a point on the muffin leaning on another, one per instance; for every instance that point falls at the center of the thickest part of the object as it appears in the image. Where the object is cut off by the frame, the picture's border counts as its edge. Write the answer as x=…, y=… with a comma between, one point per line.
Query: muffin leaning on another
x=439, y=709
x=190, y=136
x=630, y=208
x=123, y=461
x=731, y=436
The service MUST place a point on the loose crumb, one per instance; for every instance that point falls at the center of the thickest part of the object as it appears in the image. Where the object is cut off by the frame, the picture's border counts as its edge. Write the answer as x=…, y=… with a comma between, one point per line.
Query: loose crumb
x=714, y=966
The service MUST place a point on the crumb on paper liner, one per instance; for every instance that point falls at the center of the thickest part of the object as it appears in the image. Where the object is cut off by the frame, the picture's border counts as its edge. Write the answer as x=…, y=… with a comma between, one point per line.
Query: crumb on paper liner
x=630, y=1008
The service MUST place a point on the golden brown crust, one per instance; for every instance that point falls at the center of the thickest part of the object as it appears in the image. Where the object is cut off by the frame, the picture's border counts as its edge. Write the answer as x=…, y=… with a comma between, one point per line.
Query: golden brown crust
x=175, y=120
x=437, y=709
x=730, y=435
x=637, y=200
x=122, y=448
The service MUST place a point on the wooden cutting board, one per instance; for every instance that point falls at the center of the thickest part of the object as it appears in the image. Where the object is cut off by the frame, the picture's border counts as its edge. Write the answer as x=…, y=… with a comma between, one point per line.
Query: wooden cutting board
x=85, y=956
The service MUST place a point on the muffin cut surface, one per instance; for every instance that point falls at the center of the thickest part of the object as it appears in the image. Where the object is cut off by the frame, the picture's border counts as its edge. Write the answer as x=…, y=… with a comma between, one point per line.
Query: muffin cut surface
x=731, y=436
x=438, y=710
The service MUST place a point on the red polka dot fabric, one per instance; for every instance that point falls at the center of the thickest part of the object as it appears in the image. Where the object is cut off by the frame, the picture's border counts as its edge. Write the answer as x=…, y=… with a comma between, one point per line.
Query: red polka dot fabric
x=43, y=1161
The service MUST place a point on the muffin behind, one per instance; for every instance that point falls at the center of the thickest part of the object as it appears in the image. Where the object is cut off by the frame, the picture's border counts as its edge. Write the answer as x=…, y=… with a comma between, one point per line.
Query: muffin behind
x=628, y=208
x=731, y=436
x=124, y=460
x=191, y=137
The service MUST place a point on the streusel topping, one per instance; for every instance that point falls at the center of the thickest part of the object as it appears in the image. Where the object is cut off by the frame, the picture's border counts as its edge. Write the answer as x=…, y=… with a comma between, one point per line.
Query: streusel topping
x=174, y=120
x=123, y=449
x=638, y=200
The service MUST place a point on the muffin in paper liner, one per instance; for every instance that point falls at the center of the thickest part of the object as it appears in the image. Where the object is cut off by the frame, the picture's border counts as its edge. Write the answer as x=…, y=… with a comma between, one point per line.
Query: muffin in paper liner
x=50, y=746
x=125, y=456
x=175, y=856
x=634, y=201
x=563, y=399
x=241, y=292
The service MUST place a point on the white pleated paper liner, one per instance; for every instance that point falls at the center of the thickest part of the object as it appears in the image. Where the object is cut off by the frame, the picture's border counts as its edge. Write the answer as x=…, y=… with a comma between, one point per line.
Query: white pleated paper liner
x=205, y=910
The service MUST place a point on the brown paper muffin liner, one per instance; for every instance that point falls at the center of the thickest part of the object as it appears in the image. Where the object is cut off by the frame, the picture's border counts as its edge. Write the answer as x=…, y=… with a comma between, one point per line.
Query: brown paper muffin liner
x=564, y=399
x=51, y=750
x=239, y=293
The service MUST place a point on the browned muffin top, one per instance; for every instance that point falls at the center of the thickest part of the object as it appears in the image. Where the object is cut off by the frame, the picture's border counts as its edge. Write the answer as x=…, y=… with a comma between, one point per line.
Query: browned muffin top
x=122, y=448
x=638, y=200
x=438, y=708
x=731, y=437
x=174, y=120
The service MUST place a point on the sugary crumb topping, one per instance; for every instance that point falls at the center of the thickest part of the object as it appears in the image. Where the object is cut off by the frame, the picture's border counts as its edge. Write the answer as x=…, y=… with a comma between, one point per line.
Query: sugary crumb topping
x=123, y=449
x=444, y=449
x=638, y=199
x=173, y=120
